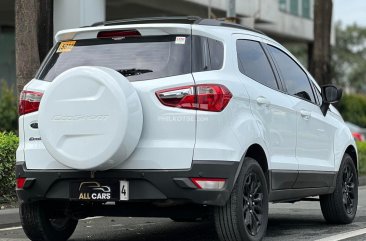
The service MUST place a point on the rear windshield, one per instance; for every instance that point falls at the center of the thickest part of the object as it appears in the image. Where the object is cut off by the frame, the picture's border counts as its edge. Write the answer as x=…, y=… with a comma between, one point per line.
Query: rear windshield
x=137, y=58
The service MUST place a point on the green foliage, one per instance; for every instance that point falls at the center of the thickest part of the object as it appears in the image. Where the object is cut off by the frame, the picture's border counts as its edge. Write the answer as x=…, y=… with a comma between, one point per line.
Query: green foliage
x=8, y=108
x=353, y=109
x=300, y=51
x=361, y=147
x=349, y=57
x=8, y=146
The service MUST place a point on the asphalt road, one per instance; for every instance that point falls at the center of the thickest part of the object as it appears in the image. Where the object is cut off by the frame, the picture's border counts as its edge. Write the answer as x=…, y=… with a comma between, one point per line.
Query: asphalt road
x=300, y=221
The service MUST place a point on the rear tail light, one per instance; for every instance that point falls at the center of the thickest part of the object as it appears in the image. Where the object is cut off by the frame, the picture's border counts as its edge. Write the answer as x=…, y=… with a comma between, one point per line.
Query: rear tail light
x=119, y=34
x=358, y=136
x=208, y=97
x=29, y=101
x=20, y=182
x=209, y=183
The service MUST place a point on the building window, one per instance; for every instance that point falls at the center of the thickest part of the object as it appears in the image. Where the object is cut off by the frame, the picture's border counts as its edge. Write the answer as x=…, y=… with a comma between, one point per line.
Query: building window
x=283, y=5
x=294, y=7
x=306, y=8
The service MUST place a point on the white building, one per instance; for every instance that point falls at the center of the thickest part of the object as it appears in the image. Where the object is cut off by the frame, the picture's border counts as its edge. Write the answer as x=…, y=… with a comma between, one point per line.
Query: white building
x=287, y=21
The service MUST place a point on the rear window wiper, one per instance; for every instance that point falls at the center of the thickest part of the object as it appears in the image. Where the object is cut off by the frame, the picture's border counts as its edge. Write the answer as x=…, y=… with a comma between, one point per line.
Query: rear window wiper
x=130, y=72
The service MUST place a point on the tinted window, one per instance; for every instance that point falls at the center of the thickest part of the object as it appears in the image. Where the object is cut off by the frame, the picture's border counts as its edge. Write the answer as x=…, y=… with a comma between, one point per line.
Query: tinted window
x=254, y=63
x=137, y=58
x=200, y=54
x=296, y=81
x=207, y=54
x=216, y=49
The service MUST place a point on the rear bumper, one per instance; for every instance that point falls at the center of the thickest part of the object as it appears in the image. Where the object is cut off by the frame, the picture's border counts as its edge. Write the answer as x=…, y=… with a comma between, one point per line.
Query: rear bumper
x=144, y=185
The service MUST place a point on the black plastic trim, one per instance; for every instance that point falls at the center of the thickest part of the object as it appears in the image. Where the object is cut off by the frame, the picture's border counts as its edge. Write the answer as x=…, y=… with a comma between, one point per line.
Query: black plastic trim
x=221, y=23
x=173, y=19
x=314, y=179
x=177, y=19
x=145, y=185
x=287, y=185
x=282, y=179
x=288, y=195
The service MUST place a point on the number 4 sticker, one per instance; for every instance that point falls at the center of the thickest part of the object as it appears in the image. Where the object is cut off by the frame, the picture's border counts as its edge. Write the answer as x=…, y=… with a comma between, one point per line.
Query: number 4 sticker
x=123, y=190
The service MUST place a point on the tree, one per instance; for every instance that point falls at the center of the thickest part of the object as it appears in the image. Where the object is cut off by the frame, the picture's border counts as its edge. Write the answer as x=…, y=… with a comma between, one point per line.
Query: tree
x=26, y=53
x=33, y=27
x=349, y=57
x=320, y=63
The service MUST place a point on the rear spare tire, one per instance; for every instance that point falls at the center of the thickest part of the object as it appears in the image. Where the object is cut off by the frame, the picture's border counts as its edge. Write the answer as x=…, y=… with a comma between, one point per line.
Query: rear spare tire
x=90, y=118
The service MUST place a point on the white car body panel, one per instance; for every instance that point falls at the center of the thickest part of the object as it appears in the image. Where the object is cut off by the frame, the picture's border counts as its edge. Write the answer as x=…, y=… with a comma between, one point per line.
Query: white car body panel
x=172, y=137
x=171, y=147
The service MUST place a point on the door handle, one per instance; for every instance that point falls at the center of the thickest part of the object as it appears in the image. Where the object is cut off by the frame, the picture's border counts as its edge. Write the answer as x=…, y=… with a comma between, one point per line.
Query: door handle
x=263, y=101
x=305, y=114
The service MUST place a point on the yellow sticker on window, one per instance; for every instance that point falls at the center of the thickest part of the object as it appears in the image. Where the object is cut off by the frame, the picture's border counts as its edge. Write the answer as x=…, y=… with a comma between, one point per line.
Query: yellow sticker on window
x=66, y=46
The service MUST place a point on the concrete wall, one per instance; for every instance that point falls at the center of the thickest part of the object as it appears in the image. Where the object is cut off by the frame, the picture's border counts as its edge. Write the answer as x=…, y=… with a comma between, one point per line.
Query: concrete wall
x=77, y=13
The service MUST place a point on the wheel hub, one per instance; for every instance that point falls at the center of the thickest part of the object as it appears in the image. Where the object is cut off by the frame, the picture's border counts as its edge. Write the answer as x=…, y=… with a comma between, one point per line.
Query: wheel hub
x=348, y=188
x=252, y=203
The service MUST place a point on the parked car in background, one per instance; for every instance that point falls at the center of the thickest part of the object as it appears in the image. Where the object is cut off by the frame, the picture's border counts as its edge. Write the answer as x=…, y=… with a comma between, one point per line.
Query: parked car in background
x=358, y=132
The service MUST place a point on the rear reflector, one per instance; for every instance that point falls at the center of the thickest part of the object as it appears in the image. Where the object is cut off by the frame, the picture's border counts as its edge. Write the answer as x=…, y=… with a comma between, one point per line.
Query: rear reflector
x=209, y=183
x=208, y=97
x=119, y=34
x=20, y=182
x=29, y=101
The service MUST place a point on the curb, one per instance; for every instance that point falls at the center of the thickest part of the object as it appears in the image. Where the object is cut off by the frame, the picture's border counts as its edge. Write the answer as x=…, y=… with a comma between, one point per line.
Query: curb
x=362, y=180
x=9, y=218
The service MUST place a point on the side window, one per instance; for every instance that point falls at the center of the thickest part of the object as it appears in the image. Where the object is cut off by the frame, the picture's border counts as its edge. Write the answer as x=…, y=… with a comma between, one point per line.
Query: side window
x=253, y=63
x=296, y=81
x=207, y=54
x=216, y=50
x=199, y=54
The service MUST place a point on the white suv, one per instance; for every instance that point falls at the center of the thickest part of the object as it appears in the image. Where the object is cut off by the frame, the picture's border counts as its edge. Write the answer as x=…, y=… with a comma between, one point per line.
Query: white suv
x=183, y=117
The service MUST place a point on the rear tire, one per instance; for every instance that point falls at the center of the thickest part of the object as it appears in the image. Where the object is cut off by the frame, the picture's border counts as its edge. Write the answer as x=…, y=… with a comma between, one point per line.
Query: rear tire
x=340, y=207
x=245, y=215
x=38, y=226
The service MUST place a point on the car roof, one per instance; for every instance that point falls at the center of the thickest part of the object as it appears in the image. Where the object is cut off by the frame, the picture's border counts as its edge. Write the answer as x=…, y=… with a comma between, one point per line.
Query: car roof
x=178, y=20
x=162, y=25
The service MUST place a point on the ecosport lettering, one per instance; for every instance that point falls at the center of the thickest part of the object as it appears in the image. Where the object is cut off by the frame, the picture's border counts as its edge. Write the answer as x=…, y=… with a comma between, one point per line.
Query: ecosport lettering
x=79, y=117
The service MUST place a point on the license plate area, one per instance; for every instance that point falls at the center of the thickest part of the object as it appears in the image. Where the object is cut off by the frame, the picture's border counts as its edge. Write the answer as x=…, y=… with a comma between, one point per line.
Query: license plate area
x=95, y=190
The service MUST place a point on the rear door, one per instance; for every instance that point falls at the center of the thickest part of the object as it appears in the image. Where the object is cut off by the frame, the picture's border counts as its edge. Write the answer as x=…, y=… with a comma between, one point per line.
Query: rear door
x=315, y=132
x=272, y=108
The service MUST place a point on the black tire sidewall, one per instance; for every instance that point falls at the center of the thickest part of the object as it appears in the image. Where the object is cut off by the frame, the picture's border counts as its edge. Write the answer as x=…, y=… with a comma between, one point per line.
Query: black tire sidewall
x=250, y=165
x=347, y=161
x=41, y=226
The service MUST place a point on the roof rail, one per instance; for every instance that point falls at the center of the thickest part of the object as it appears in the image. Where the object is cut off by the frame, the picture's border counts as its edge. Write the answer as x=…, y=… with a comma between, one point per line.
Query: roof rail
x=177, y=19
x=222, y=23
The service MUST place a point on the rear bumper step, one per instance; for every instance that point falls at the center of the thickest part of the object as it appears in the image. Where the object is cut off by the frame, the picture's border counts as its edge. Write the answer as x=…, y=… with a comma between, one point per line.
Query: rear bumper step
x=144, y=185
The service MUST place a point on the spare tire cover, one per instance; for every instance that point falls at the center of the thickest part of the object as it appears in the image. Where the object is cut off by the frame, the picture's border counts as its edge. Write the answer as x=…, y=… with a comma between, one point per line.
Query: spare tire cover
x=90, y=118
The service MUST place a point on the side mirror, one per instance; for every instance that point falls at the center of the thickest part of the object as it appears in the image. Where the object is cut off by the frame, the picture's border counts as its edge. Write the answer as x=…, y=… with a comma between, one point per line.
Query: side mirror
x=330, y=95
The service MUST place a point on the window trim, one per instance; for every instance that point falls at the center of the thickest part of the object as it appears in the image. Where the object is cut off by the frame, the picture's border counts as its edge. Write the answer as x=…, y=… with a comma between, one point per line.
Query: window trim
x=316, y=96
x=45, y=61
x=275, y=69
